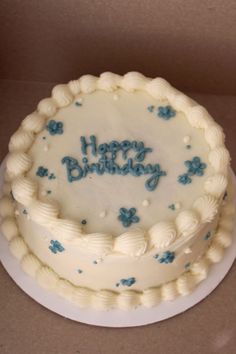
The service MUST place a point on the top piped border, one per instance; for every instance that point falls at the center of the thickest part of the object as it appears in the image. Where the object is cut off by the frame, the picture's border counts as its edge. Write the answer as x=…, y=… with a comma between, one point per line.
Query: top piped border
x=135, y=242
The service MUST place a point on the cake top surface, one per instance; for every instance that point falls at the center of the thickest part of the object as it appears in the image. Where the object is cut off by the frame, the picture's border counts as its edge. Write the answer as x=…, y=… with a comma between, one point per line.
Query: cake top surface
x=116, y=155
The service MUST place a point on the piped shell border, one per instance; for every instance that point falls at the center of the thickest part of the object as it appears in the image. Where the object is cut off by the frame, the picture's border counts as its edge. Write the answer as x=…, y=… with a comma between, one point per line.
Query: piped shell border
x=47, y=214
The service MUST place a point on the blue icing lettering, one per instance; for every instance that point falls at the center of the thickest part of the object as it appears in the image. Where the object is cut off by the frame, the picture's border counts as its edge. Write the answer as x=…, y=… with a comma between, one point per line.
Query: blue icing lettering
x=128, y=217
x=56, y=246
x=54, y=127
x=107, y=153
x=194, y=168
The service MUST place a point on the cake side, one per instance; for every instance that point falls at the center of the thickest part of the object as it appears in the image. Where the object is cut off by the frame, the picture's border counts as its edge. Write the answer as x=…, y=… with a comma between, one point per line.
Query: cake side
x=127, y=299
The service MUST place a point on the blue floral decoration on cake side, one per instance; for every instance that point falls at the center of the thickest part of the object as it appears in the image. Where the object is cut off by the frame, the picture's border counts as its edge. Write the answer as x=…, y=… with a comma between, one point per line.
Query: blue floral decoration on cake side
x=127, y=282
x=195, y=167
x=42, y=171
x=128, y=217
x=166, y=112
x=166, y=257
x=54, y=127
x=56, y=246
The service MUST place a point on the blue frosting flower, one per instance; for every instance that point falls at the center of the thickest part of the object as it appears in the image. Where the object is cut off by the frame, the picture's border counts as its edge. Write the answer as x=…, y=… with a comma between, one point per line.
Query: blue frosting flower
x=195, y=166
x=54, y=127
x=184, y=179
x=127, y=216
x=166, y=112
x=56, y=246
x=167, y=257
x=127, y=282
x=42, y=171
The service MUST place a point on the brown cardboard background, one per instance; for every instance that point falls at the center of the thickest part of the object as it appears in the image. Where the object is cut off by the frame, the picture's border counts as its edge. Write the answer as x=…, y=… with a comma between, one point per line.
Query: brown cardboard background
x=192, y=44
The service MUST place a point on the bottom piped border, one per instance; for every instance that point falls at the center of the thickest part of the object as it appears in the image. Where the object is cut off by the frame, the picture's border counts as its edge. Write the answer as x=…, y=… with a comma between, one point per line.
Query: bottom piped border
x=125, y=300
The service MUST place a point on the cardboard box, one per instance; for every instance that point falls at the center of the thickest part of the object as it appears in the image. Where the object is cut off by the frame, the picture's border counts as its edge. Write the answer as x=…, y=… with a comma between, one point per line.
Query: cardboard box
x=191, y=44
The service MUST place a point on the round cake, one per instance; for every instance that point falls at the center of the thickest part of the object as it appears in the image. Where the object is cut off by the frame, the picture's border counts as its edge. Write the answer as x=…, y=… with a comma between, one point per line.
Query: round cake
x=117, y=192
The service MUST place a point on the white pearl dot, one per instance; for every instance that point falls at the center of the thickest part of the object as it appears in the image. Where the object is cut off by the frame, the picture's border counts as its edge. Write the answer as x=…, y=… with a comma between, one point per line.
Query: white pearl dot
x=46, y=147
x=186, y=139
x=177, y=206
x=115, y=97
x=145, y=203
x=17, y=213
x=102, y=214
x=79, y=99
x=188, y=250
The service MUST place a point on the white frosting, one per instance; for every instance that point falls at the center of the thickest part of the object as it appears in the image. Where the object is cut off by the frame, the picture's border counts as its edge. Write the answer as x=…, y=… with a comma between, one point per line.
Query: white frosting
x=219, y=159
x=132, y=243
x=74, y=87
x=216, y=185
x=18, y=163
x=62, y=95
x=163, y=234
x=21, y=140
x=30, y=264
x=199, y=117
x=47, y=107
x=9, y=228
x=187, y=222
x=18, y=247
x=6, y=207
x=214, y=136
x=24, y=189
x=207, y=208
x=34, y=122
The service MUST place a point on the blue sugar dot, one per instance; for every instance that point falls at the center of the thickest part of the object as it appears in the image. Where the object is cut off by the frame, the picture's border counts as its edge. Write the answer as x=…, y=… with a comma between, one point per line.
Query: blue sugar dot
x=188, y=147
x=25, y=212
x=95, y=262
x=78, y=104
x=150, y=108
x=172, y=207
x=156, y=256
x=44, y=137
x=49, y=192
x=79, y=271
x=83, y=222
x=187, y=265
x=207, y=236
x=51, y=176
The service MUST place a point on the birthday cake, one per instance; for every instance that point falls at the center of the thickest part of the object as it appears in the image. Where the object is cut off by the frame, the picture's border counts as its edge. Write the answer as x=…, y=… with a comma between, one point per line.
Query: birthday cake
x=117, y=192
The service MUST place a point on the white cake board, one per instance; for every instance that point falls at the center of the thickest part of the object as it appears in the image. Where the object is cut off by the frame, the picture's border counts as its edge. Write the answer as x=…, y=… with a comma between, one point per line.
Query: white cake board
x=114, y=318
